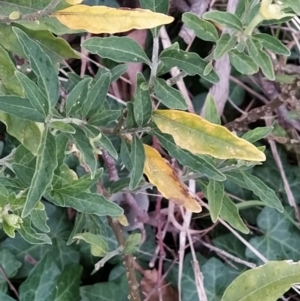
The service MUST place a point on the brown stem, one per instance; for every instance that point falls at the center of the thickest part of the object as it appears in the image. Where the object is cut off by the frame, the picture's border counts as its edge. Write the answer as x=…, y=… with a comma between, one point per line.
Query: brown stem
x=128, y=261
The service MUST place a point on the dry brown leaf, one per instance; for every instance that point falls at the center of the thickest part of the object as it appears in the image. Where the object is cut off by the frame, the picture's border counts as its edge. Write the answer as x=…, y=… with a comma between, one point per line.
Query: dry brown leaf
x=162, y=175
x=102, y=19
x=148, y=284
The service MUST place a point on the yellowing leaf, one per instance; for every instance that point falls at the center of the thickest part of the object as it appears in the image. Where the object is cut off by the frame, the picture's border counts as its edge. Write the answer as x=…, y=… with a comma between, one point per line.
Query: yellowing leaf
x=74, y=2
x=162, y=175
x=199, y=136
x=102, y=19
x=122, y=219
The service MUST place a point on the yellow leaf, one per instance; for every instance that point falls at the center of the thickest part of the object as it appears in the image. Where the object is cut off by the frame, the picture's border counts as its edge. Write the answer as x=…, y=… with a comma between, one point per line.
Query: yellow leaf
x=74, y=2
x=102, y=19
x=161, y=174
x=199, y=136
x=122, y=219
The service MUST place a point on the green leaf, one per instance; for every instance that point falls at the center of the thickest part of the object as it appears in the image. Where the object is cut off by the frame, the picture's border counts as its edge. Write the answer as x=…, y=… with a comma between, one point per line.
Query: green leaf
x=85, y=147
x=279, y=239
x=45, y=164
x=268, y=282
x=242, y=62
x=77, y=96
x=158, y=6
x=258, y=187
x=34, y=94
x=261, y=58
x=137, y=156
x=39, y=220
x=293, y=4
x=225, y=18
x=63, y=127
x=104, y=117
x=197, y=163
x=215, y=193
x=210, y=110
x=189, y=62
x=68, y=284
x=271, y=43
x=107, y=290
x=132, y=242
x=224, y=45
x=130, y=121
x=96, y=95
x=107, y=144
x=258, y=133
x=118, y=71
x=9, y=82
x=125, y=154
x=10, y=266
x=208, y=68
x=204, y=30
x=20, y=107
x=85, y=202
x=42, y=66
x=230, y=214
x=56, y=48
x=5, y=297
x=41, y=282
x=99, y=247
x=31, y=236
x=142, y=105
x=118, y=49
x=169, y=96
x=241, y=8
x=61, y=228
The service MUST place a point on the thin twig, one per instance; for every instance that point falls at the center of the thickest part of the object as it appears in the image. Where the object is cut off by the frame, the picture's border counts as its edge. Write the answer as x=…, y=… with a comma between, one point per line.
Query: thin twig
x=8, y=282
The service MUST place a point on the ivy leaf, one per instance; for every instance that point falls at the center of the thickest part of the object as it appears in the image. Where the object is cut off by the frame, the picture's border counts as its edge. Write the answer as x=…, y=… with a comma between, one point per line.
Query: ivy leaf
x=42, y=66
x=279, y=239
x=161, y=174
x=204, y=30
x=109, y=20
x=41, y=282
x=225, y=18
x=137, y=156
x=45, y=165
x=118, y=49
x=278, y=277
x=142, y=105
x=169, y=96
x=199, y=136
x=68, y=284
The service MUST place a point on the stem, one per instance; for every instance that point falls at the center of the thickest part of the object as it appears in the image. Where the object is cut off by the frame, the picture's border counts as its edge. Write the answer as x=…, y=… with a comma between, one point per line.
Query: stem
x=128, y=262
x=47, y=11
x=154, y=66
x=255, y=21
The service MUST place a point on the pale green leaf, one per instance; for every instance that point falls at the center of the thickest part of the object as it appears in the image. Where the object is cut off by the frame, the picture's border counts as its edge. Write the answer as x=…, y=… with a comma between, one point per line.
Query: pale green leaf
x=169, y=96
x=210, y=110
x=44, y=171
x=243, y=62
x=215, y=193
x=224, y=45
x=258, y=133
x=267, y=282
x=224, y=18
x=118, y=49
